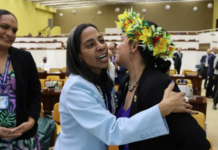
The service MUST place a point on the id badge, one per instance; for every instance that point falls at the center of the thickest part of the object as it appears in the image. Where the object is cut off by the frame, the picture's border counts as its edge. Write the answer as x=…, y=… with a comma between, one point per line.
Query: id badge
x=4, y=102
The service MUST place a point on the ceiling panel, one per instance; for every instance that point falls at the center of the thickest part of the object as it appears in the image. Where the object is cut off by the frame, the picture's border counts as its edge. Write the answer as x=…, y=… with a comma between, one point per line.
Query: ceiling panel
x=62, y=4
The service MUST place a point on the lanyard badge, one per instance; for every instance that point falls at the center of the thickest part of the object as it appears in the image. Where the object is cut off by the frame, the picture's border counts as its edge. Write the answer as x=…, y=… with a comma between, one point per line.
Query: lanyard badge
x=4, y=98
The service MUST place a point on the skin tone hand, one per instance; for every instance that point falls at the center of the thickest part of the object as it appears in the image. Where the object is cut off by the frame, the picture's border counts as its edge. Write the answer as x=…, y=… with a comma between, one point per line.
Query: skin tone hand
x=18, y=131
x=174, y=102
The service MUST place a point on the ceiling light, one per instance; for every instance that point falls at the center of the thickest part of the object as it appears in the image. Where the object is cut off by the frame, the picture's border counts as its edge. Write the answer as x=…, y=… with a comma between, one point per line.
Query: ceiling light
x=195, y=8
x=61, y=14
x=144, y=10
x=74, y=12
x=167, y=7
x=99, y=12
x=210, y=6
x=117, y=9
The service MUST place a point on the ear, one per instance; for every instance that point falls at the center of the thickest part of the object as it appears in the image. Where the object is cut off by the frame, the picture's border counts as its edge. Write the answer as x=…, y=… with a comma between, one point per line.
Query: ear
x=134, y=47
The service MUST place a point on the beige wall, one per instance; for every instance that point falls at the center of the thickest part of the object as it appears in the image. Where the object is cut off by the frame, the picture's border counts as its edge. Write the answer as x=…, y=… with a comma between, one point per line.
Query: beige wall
x=215, y=13
x=172, y=20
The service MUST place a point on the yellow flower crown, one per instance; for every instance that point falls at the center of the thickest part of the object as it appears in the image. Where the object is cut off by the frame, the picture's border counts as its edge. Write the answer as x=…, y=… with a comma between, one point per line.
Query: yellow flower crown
x=150, y=37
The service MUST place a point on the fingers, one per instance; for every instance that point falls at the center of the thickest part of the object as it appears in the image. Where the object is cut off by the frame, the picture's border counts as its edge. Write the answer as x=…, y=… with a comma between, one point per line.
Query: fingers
x=188, y=106
x=17, y=129
x=191, y=112
x=169, y=89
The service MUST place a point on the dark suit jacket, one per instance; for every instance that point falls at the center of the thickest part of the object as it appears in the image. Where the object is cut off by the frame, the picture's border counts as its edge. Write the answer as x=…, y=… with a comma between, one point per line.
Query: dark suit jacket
x=28, y=89
x=203, y=59
x=177, y=60
x=211, y=58
x=185, y=133
x=120, y=73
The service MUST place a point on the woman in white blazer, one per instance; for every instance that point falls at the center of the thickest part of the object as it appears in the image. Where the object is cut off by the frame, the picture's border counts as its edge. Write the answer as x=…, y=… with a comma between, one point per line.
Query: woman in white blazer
x=87, y=101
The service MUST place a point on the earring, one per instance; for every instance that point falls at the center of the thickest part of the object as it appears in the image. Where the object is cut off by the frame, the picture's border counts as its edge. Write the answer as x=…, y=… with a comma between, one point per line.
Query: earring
x=130, y=52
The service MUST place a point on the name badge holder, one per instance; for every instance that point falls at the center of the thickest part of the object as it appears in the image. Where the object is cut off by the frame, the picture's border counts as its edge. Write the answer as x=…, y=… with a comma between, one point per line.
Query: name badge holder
x=4, y=98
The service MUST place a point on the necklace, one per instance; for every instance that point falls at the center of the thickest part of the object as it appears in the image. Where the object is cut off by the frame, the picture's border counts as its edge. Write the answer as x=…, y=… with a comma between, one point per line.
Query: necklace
x=131, y=88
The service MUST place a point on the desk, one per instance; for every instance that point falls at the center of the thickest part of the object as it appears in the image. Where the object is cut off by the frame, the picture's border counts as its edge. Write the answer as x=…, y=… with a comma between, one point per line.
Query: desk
x=49, y=98
x=196, y=82
x=200, y=105
x=44, y=74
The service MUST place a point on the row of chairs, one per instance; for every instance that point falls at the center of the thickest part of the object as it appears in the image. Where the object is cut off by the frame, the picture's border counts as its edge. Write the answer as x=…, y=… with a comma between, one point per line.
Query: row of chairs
x=54, y=70
x=184, y=72
x=200, y=118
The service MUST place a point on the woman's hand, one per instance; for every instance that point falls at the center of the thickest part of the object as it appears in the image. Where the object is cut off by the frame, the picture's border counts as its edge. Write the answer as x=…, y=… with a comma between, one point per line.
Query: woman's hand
x=174, y=102
x=5, y=133
x=20, y=129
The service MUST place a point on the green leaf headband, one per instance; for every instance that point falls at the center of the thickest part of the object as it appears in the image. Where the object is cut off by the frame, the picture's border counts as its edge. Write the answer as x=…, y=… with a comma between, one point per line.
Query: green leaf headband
x=150, y=37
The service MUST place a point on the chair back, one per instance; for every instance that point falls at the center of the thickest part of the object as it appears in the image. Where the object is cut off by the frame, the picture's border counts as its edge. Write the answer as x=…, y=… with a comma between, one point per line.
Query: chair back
x=56, y=114
x=52, y=77
x=172, y=72
x=39, y=69
x=64, y=69
x=195, y=73
x=182, y=81
x=41, y=112
x=52, y=70
x=185, y=70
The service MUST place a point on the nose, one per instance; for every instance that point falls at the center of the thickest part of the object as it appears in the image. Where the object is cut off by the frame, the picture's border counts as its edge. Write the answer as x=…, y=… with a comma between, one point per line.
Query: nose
x=100, y=46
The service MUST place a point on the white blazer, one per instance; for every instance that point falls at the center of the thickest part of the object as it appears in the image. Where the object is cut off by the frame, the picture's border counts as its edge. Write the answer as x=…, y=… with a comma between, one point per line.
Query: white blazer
x=87, y=125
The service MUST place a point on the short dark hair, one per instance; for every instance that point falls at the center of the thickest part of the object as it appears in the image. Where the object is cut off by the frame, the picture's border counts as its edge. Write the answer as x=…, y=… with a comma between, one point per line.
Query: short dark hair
x=76, y=66
x=5, y=12
x=153, y=61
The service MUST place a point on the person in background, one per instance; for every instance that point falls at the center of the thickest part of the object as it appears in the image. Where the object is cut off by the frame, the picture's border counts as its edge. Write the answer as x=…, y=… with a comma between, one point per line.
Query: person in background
x=87, y=103
x=39, y=35
x=29, y=35
x=120, y=71
x=20, y=91
x=210, y=92
x=204, y=64
x=215, y=67
x=44, y=65
x=178, y=60
x=111, y=68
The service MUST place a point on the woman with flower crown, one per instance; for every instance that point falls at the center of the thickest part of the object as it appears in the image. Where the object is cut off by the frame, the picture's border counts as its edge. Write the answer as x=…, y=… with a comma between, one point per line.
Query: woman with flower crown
x=87, y=103
x=144, y=50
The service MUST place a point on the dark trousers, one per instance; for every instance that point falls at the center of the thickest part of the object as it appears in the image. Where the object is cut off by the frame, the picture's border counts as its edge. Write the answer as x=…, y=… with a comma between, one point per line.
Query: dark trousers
x=210, y=85
x=177, y=67
x=205, y=76
x=215, y=100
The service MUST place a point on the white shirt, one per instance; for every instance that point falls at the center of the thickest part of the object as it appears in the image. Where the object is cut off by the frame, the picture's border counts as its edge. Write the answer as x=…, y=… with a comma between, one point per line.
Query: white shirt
x=111, y=70
x=206, y=61
x=214, y=65
x=45, y=66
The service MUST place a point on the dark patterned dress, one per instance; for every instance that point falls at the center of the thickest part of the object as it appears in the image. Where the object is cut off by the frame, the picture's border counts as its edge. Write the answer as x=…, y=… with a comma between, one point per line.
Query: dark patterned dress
x=8, y=119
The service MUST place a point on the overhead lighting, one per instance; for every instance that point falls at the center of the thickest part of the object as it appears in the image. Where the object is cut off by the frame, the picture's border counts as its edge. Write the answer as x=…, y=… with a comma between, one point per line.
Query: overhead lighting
x=195, y=8
x=167, y=7
x=210, y=6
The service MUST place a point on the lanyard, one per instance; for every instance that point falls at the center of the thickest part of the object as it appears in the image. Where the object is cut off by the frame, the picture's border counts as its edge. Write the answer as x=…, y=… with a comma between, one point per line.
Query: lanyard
x=106, y=101
x=3, y=81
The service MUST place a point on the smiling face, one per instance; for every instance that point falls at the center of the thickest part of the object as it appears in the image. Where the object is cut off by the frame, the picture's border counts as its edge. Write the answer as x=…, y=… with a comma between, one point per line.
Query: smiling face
x=93, y=50
x=8, y=30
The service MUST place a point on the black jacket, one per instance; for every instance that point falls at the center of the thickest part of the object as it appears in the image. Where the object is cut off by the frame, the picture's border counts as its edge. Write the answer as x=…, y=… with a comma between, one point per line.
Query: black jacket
x=185, y=133
x=28, y=89
x=177, y=60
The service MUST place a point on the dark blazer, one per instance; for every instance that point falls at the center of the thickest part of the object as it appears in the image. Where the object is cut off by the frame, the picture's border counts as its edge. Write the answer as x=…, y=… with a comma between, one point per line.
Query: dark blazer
x=211, y=58
x=185, y=133
x=177, y=60
x=203, y=59
x=28, y=89
x=120, y=73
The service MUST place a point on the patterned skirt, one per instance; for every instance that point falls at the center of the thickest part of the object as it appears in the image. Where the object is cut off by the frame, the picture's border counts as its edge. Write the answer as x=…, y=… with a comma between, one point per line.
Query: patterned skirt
x=27, y=144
